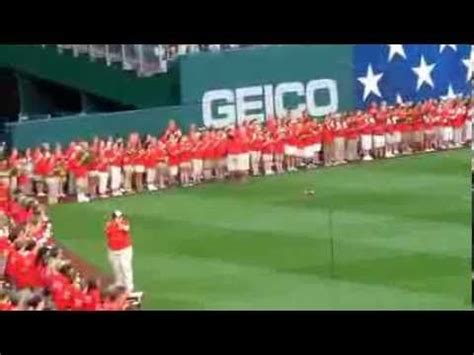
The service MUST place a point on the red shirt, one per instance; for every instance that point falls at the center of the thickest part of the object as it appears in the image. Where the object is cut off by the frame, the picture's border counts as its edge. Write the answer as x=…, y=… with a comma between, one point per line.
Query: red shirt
x=26, y=273
x=279, y=145
x=61, y=291
x=256, y=144
x=379, y=129
x=418, y=125
x=352, y=133
x=173, y=154
x=185, y=152
x=234, y=146
x=92, y=300
x=159, y=154
x=267, y=146
x=328, y=135
x=366, y=128
x=117, y=239
x=221, y=148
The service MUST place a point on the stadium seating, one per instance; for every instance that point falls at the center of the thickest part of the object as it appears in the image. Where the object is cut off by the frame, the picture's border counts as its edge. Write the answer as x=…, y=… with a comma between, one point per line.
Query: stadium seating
x=145, y=59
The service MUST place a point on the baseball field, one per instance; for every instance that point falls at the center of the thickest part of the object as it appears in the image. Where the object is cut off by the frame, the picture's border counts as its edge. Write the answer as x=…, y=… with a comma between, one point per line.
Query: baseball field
x=392, y=234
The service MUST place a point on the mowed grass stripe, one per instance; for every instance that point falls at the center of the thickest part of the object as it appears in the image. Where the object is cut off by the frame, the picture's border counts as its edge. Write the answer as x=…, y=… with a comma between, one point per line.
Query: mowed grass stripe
x=360, y=228
x=281, y=252
x=268, y=230
x=223, y=285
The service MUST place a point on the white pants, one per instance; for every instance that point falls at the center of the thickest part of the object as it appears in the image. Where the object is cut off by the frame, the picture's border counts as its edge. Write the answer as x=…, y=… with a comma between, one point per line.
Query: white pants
x=232, y=162
x=366, y=142
x=121, y=262
x=468, y=130
x=116, y=177
x=448, y=134
x=379, y=141
x=457, y=135
x=103, y=179
x=150, y=176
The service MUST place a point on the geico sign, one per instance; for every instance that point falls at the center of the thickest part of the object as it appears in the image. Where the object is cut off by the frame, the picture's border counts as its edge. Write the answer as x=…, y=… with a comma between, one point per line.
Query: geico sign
x=223, y=107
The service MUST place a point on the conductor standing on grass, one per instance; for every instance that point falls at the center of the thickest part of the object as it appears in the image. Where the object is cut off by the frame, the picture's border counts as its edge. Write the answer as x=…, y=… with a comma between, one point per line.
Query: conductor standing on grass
x=119, y=243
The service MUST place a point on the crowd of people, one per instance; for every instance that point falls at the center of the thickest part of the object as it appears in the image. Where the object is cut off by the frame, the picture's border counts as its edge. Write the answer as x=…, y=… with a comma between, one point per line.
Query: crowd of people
x=112, y=166
x=35, y=274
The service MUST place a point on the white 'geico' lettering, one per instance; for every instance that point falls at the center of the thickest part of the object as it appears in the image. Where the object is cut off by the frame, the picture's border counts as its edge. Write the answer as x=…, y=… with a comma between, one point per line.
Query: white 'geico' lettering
x=258, y=102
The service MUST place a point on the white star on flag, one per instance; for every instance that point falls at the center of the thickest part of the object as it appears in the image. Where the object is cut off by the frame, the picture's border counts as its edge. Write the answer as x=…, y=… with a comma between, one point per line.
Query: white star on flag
x=469, y=63
x=443, y=46
x=450, y=94
x=396, y=49
x=399, y=99
x=424, y=73
x=370, y=83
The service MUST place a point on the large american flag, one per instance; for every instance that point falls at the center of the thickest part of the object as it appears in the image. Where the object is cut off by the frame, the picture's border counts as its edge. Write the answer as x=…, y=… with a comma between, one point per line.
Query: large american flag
x=400, y=73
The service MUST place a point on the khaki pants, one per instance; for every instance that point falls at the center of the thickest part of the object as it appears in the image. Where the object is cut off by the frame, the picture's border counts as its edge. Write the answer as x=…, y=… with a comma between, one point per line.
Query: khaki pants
x=71, y=185
x=328, y=151
x=351, y=150
x=127, y=177
x=52, y=183
x=339, y=149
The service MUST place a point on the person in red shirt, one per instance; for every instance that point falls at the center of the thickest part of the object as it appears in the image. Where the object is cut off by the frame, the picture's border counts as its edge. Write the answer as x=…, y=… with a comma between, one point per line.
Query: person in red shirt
x=150, y=162
x=172, y=131
x=196, y=157
x=91, y=299
x=61, y=168
x=184, y=152
x=25, y=271
x=5, y=303
x=389, y=137
x=139, y=160
x=77, y=164
x=208, y=155
x=378, y=134
x=267, y=149
x=161, y=157
x=172, y=150
x=429, y=133
x=102, y=167
x=352, y=138
x=220, y=150
x=366, y=130
x=38, y=163
x=339, y=141
x=278, y=139
x=114, y=159
x=61, y=286
x=127, y=164
x=458, y=125
x=256, y=141
x=328, y=141
x=234, y=149
x=51, y=177
x=291, y=146
x=119, y=243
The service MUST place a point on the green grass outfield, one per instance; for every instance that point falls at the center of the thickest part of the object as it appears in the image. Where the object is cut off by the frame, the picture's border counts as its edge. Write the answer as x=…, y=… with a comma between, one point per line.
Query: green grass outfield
x=401, y=231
